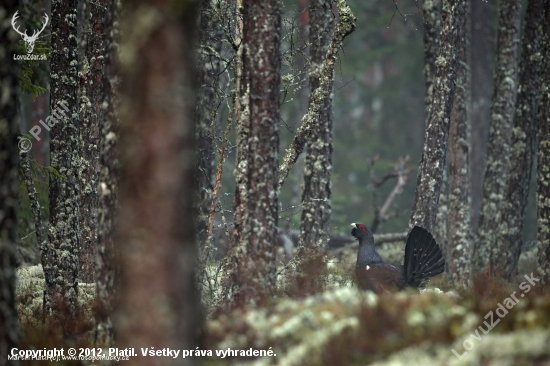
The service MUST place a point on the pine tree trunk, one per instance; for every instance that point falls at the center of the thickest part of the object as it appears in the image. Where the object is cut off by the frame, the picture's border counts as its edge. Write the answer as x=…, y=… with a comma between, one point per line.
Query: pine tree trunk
x=108, y=181
x=314, y=225
x=543, y=158
x=316, y=195
x=498, y=145
x=483, y=43
x=251, y=268
x=60, y=257
x=209, y=67
x=509, y=234
x=430, y=173
x=91, y=113
x=458, y=253
x=156, y=238
x=9, y=183
x=432, y=19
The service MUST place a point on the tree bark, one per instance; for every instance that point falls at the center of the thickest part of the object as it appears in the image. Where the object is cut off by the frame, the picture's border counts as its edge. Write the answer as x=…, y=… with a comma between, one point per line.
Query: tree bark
x=458, y=251
x=9, y=184
x=344, y=26
x=108, y=181
x=316, y=195
x=91, y=113
x=498, y=145
x=251, y=268
x=432, y=27
x=158, y=304
x=543, y=159
x=509, y=241
x=430, y=173
x=60, y=256
x=483, y=43
x=209, y=65
x=316, y=208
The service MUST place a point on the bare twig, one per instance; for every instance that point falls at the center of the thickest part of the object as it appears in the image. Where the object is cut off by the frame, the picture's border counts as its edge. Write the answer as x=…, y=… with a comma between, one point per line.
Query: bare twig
x=401, y=173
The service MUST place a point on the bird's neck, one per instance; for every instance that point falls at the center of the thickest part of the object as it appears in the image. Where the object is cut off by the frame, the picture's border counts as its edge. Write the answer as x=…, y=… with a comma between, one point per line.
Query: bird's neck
x=367, y=253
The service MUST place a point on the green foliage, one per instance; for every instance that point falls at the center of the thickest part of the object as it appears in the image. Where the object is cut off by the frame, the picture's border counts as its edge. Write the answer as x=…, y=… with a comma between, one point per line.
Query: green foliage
x=28, y=76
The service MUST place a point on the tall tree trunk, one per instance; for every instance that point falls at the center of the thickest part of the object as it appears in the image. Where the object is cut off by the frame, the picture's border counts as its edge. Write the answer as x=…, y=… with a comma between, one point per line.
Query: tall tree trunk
x=158, y=303
x=458, y=253
x=60, y=256
x=432, y=20
x=483, y=42
x=91, y=97
x=498, y=145
x=9, y=183
x=543, y=158
x=509, y=234
x=432, y=17
x=108, y=174
x=314, y=226
x=252, y=268
x=430, y=173
x=209, y=66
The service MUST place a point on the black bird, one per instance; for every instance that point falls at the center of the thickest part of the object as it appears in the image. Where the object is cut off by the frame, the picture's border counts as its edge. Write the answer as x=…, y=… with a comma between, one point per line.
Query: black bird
x=423, y=259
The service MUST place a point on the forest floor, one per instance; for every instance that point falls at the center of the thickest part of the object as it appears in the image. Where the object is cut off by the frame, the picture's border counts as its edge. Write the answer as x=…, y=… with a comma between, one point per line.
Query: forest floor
x=343, y=325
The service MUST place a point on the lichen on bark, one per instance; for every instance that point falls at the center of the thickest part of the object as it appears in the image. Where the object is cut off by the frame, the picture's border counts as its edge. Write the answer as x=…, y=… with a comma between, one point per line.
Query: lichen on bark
x=458, y=253
x=498, y=146
x=430, y=173
x=250, y=267
x=60, y=254
x=345, y=25
x=508, y=240
x=543, y=159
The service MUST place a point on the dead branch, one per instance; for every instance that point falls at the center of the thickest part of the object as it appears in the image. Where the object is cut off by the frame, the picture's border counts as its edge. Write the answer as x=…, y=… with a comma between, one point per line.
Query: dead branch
x=401, y=173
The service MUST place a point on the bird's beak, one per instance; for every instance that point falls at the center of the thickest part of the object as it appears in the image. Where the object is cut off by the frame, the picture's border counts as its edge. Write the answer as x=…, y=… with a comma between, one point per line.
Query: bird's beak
x=353, y=225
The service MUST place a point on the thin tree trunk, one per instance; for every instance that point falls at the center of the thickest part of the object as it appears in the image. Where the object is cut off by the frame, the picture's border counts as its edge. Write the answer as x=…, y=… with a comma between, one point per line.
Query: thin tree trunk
x=483, y=42
x=430, y=173
x=252, y=268
x=316, y=195
x=314, y=225
x=9, y=183
x=158, y=302
x=108, y=182
x=458, y=252
x=543, y=159
x=91, y=113
x=209, y=65
x=509, y=234
x=25, y=168
x=498, y=144
x=60, y=256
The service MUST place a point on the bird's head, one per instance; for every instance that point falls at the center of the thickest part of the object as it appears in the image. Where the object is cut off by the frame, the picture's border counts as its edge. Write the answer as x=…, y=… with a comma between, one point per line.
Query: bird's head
x=360, y=231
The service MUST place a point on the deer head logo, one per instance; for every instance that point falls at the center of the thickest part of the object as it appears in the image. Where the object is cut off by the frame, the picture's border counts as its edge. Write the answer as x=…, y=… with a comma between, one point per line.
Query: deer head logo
x=29, y=40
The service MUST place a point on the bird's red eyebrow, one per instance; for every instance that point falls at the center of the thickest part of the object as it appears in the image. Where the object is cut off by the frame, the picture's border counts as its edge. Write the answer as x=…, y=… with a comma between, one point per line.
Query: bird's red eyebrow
x=361, y=227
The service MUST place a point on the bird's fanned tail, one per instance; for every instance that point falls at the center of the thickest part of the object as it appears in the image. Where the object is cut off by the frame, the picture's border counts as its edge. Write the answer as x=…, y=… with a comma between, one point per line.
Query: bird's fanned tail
x=423, y=258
